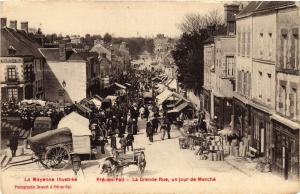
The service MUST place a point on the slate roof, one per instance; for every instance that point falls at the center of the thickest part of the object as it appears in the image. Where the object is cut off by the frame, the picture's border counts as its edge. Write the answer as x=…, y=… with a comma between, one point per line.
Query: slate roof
x=52, y=54
x=257, y=6
x=23, y=43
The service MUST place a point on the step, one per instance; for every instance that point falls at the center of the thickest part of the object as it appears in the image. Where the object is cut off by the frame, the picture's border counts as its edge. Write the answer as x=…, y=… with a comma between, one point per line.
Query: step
x=6, y=161
x=2, y=159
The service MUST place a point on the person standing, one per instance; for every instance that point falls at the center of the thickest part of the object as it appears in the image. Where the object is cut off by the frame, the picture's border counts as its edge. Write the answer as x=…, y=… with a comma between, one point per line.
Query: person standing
x=146, y=112
x=13, y=143
x=168, y=127
x=149, y=131
x=155, y=123
x=129, y=141
x=123, y=143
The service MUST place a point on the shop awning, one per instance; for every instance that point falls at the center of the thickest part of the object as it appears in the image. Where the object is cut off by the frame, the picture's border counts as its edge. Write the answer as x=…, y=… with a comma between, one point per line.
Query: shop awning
x=96, y=102
x=163, y=96
x=120, y=85
x=173, y=84
x=291, y=124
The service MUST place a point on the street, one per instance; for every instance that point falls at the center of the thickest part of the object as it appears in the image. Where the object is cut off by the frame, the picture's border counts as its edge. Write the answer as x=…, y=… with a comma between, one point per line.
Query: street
x=165, y=161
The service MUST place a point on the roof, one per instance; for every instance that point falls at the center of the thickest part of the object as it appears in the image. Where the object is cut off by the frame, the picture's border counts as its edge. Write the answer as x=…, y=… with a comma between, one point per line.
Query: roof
x=99, y=48
x=257, y=6
x=22, y=42
x=52, y=54
x=78, y=124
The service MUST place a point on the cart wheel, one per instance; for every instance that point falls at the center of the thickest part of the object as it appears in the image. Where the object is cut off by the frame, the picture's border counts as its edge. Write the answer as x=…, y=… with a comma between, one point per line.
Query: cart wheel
x=141, y=163
x=57, y=157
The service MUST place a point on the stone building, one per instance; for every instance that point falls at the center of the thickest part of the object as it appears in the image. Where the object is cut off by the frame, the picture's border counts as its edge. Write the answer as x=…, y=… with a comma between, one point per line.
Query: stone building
x=266, y=101
x=68, y=74
x=219, y=71
x=21, y=64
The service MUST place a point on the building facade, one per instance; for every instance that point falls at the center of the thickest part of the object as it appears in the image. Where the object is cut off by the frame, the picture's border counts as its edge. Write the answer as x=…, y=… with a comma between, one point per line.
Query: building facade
x=21, y=64
x=266, y=101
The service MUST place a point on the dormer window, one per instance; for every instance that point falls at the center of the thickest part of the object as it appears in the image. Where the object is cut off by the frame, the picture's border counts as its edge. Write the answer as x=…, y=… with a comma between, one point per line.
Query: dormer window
x=11, y=50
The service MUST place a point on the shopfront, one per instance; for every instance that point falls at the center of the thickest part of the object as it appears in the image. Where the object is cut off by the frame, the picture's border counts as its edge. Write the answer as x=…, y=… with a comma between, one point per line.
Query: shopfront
x=206, y=100
x=285, y=150
x=241, y=114
x=261, y=131
x=223, y=111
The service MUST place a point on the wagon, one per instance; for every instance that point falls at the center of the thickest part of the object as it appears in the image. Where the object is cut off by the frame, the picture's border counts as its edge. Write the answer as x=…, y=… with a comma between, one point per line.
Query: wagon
x=54, y=148
x=113, y=166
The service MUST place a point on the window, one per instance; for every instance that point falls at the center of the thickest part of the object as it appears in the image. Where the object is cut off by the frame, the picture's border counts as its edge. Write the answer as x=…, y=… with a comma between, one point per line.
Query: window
x=293, y=102
x=12, y=93
x=259, y=84
x=239, y=44
x=282, y=98
x=11, y=73
x=248, y=44
x=261, y=44
x=269, y=88
x=294, y=58
x=243, y=44
x=245, y=83
x=230, y=65
x=270, y=46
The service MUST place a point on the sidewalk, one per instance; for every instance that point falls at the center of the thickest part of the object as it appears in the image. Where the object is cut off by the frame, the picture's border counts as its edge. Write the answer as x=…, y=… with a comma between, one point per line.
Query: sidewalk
x=241, y=164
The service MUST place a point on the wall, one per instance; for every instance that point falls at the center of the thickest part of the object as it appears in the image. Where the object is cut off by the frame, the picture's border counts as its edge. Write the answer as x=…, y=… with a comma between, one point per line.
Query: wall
x=243, y=59
x=11, y=61
x=74, y=75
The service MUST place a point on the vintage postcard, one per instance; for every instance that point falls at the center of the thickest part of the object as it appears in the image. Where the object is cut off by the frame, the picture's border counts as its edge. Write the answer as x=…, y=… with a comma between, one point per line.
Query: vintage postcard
x=150, y=97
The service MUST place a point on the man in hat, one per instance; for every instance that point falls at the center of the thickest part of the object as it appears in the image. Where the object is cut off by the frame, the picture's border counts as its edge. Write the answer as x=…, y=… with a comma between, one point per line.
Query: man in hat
x=13, y=143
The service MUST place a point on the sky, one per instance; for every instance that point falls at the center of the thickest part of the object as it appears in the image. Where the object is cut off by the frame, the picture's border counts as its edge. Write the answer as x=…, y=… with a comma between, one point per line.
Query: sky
x=121, y=19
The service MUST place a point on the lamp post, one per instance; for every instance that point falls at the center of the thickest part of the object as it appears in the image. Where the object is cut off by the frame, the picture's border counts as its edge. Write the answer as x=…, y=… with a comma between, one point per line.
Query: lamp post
x=64, y=86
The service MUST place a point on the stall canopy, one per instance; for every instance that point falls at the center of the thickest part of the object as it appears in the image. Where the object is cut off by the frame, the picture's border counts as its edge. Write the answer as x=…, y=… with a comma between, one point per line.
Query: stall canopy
x=147, y=95
x=120, y=86
x=112, y=98
x=163, y=96
x=78, y=124
x=39, y=102
x=98, y=97
x=96, y=102
x=172, y=84
x=181, y=106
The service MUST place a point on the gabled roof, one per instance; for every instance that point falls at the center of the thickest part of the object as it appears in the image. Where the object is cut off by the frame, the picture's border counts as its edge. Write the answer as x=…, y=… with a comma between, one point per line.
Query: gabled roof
x=23, y=44
x=52, y=54
x=257, y=6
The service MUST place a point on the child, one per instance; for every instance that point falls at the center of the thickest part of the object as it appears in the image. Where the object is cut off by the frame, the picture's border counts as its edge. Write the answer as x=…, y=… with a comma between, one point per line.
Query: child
x=129, y=141
x=123, y=143
x=113, y=141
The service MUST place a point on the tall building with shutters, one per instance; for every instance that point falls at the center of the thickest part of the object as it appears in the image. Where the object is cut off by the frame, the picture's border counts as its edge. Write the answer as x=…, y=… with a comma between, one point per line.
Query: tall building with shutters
x=266, y=100
x=21, y=64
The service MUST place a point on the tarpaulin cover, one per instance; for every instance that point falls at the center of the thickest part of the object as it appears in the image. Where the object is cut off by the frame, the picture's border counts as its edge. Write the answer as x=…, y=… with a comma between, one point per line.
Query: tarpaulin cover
x=78, y=124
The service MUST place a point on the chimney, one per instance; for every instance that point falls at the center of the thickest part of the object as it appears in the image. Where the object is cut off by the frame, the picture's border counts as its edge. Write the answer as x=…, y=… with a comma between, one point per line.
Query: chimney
x=62, y=52
x=13, y=24
x=230, y=11
x=24, y=26
x=3, y=22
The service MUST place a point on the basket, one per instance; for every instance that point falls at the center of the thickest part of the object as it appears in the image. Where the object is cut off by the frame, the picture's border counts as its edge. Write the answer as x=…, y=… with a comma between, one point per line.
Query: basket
x=183, y=143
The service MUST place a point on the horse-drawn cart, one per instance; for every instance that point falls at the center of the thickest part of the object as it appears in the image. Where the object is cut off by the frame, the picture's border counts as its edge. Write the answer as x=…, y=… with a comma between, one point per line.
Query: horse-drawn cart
x=55, y=148
x=113, y=166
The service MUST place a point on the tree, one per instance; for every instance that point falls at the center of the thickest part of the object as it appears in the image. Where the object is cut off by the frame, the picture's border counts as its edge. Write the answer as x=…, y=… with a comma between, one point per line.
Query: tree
x=195, y=22
x=188, y=53
x=107, y=38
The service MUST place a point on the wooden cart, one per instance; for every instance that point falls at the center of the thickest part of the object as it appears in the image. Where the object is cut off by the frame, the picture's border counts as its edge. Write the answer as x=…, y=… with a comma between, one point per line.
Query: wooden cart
x=54, y=148
x=113, y=166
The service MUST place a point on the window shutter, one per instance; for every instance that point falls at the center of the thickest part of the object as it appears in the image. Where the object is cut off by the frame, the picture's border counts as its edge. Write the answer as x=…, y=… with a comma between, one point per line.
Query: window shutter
x=249, y=84
x=292, y=104
x=20, y=94
x=239, y=44
x=281, y=65
x=292, y=51
x=3, y=94
x=248, y=45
